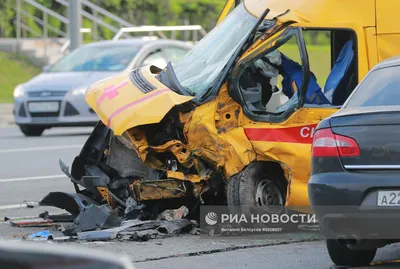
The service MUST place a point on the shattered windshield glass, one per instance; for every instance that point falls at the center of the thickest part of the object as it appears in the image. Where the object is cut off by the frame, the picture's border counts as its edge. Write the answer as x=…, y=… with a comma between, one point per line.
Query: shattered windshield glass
x=200, y=68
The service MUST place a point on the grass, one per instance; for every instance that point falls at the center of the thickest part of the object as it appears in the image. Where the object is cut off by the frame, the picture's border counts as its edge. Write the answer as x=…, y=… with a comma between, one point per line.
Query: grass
x=13, y=71
x=16, y=69
x=319, y=58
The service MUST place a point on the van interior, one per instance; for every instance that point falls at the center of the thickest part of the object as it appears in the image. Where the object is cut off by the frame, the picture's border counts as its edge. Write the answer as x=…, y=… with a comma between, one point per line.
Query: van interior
x=332, y=58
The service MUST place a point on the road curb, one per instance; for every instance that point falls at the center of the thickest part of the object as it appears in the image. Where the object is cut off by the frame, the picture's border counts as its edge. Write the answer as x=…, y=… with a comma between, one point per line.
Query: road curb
x=6, y=114
x=231, y=248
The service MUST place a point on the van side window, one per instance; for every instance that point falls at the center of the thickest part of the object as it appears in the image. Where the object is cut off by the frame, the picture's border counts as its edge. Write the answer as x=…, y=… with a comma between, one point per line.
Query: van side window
x=333, y=59
x=269, y=81
x=319, y=53
x=263, y=80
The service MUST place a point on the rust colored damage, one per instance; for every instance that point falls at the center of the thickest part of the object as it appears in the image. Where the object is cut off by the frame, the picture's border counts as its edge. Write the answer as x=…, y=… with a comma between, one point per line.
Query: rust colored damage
x=164, y=189
x=214, y=134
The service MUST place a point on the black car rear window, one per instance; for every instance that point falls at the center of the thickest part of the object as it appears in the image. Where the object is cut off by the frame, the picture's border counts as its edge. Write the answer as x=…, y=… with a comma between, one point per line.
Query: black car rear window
x=379, y=88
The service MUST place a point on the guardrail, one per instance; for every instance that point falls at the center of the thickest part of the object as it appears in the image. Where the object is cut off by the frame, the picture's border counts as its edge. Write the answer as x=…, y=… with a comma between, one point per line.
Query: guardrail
x=44, y=26
x=46, y=30
x=150, y=29
x=95, y=19
x=99, y=18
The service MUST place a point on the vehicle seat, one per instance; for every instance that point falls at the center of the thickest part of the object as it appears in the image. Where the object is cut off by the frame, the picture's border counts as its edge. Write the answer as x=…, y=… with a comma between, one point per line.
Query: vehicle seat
x=256, y=89
x=339, y=78
x=292, y=101
x=252, y=97
x=275, y=100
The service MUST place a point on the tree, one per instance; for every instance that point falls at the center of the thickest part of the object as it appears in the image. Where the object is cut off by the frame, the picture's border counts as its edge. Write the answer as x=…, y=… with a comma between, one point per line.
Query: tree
x=137, y=12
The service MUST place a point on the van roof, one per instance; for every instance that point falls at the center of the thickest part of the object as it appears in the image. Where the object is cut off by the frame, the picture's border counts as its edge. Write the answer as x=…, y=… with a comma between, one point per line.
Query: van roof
x=318, y=11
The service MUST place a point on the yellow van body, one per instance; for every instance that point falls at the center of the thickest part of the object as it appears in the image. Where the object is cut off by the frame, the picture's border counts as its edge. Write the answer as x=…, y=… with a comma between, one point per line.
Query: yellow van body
x=218, y=131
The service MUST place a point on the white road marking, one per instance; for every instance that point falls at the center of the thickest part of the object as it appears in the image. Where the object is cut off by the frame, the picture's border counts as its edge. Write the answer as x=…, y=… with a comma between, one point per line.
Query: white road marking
x=40, y=148
x=5, y=180
x=5, y=207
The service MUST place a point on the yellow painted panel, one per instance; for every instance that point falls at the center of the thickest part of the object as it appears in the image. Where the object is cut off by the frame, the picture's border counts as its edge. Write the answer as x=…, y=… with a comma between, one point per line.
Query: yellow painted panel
x=388, y=46
x=372, y=46
x=387, y=16
x=320, y=11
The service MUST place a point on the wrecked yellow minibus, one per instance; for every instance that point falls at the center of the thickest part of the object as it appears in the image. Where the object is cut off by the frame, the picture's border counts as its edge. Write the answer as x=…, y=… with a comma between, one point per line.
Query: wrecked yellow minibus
x=228, y=118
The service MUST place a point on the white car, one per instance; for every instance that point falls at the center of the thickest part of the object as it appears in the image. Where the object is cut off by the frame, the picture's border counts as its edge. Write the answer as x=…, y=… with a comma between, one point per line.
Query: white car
x=56, y=97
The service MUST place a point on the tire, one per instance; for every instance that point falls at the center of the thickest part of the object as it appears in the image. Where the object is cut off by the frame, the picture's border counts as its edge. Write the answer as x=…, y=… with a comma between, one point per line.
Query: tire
x=243, y=191
x=341, y=255
x=32, y=130
x=242, y=187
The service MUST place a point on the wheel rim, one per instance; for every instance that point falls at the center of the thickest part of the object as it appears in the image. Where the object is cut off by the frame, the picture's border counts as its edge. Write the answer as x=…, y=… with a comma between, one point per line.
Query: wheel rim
x=268, y=193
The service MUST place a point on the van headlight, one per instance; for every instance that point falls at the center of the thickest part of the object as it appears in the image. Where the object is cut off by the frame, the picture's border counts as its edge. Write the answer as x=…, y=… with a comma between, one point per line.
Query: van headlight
x=79, y=91
x=19, y=91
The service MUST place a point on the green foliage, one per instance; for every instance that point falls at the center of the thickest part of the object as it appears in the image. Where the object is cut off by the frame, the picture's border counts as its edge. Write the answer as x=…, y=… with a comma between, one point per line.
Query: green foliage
x=7, y=16
x=137, y=12
x=13, y=71
x=317, y=37
x=319, y=58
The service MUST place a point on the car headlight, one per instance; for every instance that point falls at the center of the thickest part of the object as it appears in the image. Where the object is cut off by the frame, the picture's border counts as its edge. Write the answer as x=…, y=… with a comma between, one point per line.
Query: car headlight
x=79, y=91
x=19, y=91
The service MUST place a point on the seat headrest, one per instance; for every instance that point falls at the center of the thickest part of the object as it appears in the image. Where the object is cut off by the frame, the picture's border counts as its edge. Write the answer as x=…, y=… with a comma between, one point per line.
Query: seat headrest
x=341, y=66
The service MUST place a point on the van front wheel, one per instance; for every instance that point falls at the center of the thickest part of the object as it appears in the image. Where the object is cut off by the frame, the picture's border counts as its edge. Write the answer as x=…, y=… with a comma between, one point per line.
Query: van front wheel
x=254, y=187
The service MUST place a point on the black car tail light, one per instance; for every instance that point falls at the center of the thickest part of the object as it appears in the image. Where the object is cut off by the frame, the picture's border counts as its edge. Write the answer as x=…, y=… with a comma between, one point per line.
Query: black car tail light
x=328, y=144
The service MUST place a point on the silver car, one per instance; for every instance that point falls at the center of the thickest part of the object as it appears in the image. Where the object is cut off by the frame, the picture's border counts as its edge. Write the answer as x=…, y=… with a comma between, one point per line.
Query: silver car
x=56, y=96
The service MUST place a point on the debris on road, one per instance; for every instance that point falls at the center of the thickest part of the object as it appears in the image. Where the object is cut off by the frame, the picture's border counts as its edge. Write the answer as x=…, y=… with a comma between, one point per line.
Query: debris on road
x=173, y=214
x=20, y=218
x=93, y=217
x=65, y=238
x=176, y=226
x=65, y=217
x=137, y=230
x=31, y=204
x=103, y=223
x=43, y=235
x=73, y=203
x=38, y=222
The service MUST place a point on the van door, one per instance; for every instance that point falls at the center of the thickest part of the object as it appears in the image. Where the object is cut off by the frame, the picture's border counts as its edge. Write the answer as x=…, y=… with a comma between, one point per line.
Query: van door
x=270, y=108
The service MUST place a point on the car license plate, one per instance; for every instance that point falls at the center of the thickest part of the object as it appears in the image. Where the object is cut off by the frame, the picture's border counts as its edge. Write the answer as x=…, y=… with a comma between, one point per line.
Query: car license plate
x=389, y=198
x=37, y=107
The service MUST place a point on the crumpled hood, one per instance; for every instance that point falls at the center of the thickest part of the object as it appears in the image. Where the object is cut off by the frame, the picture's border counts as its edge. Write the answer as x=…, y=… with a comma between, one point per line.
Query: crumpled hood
x=64, y=81
x=131, y=99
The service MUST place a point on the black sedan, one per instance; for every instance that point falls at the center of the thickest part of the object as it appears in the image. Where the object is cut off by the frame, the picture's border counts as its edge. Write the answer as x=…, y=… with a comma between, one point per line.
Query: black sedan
x=355, y=181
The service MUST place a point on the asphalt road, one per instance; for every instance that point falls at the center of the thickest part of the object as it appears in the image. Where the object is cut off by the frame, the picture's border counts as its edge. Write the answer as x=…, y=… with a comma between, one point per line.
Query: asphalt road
x=29, y=170
x=29, y=166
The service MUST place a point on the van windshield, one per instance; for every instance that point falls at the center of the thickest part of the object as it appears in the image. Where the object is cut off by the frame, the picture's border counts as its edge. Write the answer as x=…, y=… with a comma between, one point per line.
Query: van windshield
x=199, y=69
x=111, y=58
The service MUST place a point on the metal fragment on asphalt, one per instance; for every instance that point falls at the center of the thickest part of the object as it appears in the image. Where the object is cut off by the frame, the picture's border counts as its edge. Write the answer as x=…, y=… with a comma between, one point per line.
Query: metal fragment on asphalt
x=42, y=235
x=174, y=214
x=19, y=218
x=38, y=222
x=92, y=218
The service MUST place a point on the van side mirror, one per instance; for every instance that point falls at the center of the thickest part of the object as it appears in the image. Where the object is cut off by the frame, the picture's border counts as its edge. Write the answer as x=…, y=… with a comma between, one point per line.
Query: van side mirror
x=46, y=68
x=26, y=255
